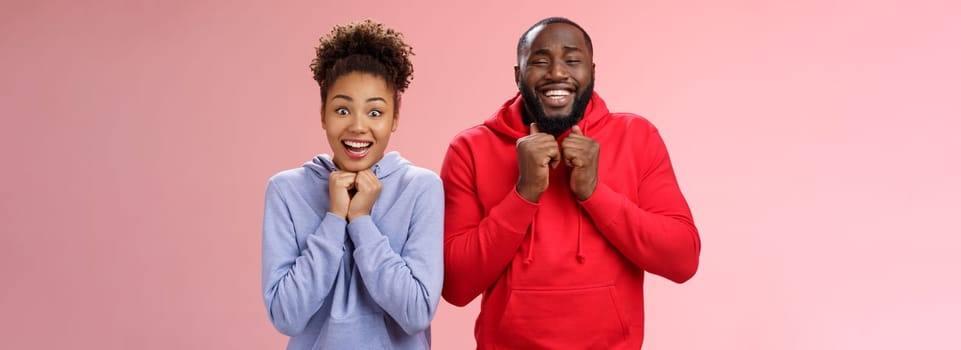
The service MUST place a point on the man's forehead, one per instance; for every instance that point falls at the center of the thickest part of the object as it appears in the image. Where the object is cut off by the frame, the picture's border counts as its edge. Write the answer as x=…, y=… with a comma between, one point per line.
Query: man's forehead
x=558, y=32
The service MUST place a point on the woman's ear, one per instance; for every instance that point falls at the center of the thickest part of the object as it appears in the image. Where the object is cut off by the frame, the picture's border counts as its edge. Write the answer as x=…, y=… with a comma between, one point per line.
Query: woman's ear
x=396, y=119
x=323, y=121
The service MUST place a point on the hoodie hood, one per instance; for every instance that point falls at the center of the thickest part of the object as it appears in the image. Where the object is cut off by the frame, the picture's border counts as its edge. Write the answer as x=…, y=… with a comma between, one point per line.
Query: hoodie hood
x=508, y=121
x=322, y=165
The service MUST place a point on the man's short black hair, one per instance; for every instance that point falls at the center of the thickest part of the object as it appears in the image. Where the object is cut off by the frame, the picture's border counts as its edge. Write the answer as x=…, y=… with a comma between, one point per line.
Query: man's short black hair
x=523, y=40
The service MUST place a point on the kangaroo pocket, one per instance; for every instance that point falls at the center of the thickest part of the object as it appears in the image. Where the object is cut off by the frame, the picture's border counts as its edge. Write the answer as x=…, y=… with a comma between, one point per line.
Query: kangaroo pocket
x=359, y=332
x=581, y=318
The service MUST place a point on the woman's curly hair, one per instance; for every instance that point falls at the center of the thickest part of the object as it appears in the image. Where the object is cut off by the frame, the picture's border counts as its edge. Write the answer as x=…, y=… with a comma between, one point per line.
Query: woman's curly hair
x=367, y=47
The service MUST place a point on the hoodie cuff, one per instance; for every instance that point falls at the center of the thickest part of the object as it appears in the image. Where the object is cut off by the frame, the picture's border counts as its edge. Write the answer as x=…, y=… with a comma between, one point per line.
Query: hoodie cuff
x=335, y=218
x=603, y=201
x=363, y=231
x=515, y=212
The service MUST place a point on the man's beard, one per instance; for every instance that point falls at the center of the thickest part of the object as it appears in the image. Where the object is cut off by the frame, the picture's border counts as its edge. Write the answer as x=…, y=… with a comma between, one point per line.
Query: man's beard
x=554, y=125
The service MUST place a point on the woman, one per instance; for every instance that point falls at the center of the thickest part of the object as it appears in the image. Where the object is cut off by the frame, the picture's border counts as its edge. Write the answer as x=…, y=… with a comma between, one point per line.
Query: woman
x=353, y=240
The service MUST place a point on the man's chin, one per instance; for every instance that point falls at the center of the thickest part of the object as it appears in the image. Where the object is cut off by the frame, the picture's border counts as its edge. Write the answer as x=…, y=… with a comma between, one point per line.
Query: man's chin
x=557, y=115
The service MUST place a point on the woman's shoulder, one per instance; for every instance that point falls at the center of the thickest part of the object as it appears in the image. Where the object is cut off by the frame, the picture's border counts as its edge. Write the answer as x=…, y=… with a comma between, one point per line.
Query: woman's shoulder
x=288, y=177
x=421, y=176
x=296, y=180
x=410, y=173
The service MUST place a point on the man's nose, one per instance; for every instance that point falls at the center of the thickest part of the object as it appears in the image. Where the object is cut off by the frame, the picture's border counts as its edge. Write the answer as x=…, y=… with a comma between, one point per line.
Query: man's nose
x=558, y=71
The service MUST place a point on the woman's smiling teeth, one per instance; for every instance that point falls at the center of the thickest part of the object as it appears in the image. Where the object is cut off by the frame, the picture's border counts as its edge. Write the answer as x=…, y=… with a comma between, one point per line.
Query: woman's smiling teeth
x=356, y=149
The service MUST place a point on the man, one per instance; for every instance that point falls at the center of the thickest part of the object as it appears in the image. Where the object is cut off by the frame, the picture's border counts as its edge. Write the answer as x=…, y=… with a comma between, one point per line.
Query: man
x=555, y=208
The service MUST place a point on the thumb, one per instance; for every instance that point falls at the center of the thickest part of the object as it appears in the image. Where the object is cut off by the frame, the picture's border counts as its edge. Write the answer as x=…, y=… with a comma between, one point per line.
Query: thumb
x=576, y=130
x=534, y=129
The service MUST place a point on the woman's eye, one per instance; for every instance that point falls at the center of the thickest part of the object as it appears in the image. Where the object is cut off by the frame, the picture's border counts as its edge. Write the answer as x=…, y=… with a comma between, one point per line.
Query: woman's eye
x=375, y=113
x=573, y=61
x=342, y=111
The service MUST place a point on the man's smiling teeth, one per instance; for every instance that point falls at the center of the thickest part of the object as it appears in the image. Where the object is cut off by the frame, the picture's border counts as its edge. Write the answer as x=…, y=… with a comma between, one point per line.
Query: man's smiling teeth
x=557, y=93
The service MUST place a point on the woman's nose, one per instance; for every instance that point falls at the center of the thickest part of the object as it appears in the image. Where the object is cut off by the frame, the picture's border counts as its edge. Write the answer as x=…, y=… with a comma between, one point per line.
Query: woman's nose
x=358, y=125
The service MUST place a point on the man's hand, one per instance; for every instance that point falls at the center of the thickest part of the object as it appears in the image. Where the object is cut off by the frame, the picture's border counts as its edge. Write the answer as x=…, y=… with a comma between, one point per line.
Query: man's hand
x=368, y=189
x=537, y=154
x=340, y=184
x=581, y=153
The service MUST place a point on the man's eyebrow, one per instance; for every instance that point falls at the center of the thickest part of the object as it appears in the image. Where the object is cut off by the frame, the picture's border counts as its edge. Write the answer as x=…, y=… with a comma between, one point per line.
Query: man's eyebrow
x=543, y=51
x=546, y=51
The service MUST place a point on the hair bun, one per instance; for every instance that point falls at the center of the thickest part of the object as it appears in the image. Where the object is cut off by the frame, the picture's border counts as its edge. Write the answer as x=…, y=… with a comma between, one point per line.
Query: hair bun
x=366, y=38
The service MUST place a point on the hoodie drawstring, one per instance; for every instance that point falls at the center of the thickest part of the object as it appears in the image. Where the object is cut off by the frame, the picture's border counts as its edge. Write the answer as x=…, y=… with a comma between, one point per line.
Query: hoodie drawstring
x=530, y=248
x=580, y=255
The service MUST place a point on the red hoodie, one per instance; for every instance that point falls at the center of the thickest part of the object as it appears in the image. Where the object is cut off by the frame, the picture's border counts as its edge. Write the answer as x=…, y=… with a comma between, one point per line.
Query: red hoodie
x=563, y=273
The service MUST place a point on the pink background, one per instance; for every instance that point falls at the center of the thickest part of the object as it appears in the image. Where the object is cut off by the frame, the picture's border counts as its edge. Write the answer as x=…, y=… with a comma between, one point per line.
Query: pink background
x=816, y=141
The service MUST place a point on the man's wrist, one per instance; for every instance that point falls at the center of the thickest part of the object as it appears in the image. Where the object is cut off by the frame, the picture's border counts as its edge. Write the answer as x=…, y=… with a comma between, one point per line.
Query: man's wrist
x=530, y=196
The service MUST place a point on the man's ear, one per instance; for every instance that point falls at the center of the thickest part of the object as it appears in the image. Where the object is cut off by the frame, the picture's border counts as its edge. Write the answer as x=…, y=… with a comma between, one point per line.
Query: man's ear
x=517, y=76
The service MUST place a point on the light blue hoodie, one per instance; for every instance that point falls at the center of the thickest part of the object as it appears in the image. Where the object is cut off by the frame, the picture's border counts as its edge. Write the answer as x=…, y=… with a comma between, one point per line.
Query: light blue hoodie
x=373, y=283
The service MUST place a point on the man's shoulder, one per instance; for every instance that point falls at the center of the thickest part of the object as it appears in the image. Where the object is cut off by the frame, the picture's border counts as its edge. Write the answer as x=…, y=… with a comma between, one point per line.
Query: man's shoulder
x=472, y=134
x=474, y=131
x=627, y=120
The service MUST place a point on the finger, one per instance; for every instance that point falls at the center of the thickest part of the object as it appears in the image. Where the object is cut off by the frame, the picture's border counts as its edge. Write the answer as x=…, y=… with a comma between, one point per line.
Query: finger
x=534, y=129
x=369, y=175
x=363, y=177
x=349, y=180
x=577, y=143
x=555, y=158
x=576, y=130
x=374, y=183
x=341, y=179
x=572, y=141
x=367, y=179
x=569, y=152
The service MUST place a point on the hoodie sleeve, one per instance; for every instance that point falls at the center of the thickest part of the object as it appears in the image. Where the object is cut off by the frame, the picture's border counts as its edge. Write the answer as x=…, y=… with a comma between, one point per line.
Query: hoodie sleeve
x=477, y=248
x=296, y=281
x=406, y=285
x=658, y=235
